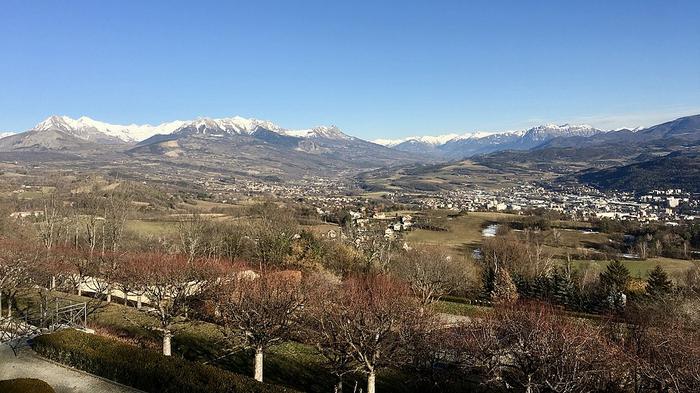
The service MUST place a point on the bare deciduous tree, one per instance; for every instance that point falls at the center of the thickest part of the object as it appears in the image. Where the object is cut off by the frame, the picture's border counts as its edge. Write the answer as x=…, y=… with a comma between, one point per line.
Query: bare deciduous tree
x=432, y=272
x=258, y=312
x=321, y=328
x=52, y=223
x=533, y=347
x=170, y=282
x=377, y=321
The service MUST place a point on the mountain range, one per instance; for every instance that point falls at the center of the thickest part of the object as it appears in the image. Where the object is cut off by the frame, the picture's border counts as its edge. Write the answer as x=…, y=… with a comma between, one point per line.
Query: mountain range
x=251, y=147
x=237, y=145
x=96, y=131
x=57, y=132
x=662, y=156
x=452, y=146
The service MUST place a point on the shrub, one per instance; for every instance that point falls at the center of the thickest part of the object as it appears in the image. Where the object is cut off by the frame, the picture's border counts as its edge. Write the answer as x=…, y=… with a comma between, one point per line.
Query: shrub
x=142, y=369
x=25, y=385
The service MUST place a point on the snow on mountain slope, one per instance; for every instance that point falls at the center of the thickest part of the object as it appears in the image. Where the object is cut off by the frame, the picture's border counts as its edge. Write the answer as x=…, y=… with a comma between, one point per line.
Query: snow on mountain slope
x=429, y=139
x=233, y=125
x=5, y=133
x=535, y=133
x=92, y=130
x=456, y=146
x=544, y=132
x=331, y=132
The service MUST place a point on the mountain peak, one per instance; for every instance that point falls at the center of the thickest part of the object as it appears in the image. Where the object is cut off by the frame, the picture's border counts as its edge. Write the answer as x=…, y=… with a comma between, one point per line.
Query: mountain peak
x=458, y=146
x=328, y=132
x=93, y=130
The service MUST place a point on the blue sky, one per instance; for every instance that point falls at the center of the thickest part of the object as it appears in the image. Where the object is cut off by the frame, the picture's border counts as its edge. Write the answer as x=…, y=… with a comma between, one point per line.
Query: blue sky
x=374, y=68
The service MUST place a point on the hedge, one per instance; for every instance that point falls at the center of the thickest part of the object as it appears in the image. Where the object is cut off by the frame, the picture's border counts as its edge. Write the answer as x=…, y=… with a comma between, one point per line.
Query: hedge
x=25, y=385
x=143, y=369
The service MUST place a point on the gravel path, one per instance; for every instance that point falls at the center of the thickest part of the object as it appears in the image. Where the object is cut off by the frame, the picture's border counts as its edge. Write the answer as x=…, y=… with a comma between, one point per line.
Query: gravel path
x=28, y=364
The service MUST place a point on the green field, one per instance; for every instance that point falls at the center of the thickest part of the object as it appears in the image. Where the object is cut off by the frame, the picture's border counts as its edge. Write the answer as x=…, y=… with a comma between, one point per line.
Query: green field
x=463, y=231
x=641, y=268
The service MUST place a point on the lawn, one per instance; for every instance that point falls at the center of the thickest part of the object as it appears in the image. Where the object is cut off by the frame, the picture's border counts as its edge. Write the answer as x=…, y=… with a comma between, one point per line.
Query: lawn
x=641, y=268
x=459, y=308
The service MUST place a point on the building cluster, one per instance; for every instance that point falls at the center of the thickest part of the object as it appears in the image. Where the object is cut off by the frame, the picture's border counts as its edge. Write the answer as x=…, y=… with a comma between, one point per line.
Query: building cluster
x=579, y=201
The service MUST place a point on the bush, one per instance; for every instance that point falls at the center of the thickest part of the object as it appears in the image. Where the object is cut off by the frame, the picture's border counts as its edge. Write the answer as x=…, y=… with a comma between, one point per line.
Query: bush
x=142, y=369
x=25, y=385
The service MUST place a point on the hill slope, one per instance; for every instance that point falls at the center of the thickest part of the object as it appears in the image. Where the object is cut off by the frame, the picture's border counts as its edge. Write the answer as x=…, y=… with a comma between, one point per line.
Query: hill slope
x=676, y=170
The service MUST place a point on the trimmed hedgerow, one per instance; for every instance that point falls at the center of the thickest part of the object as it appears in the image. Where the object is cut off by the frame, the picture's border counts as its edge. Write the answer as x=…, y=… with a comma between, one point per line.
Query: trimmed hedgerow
x=25, y=385
x=142, y=369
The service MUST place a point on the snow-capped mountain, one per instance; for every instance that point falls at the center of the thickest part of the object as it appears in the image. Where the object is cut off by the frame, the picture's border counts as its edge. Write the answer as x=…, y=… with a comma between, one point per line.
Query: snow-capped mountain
x=328, y=132
x=96, y=131
x=428, y=139
x=88, y=129
x=5, y=133
x=241, y=126
x=549, y=131
x=458, y=146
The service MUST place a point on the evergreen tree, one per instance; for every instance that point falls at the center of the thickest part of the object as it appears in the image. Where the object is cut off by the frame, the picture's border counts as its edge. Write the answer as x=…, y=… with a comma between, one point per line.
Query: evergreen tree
x=615, y=277
x=523, y=284
x=563, y=288
x=614, y=282
x=658, y=284
x=540, y=288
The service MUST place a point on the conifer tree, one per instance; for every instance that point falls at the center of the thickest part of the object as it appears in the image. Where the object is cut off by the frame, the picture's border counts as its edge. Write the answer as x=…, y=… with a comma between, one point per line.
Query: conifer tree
x=562, y=288
x=615, y=277
x=614, y=282
x=658, y=284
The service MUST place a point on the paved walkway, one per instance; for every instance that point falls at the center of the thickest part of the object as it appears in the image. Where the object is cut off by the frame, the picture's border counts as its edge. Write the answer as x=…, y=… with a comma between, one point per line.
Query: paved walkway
x=28, y=364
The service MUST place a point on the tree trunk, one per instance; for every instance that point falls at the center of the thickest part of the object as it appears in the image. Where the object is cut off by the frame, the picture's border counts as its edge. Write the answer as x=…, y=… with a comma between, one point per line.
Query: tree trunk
x=138, y=301
x=167, y=335
x=53, y=282
x=9, y=307
x=0, y=304
x=259, y=364
x=338, y=388
x=370, y=382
